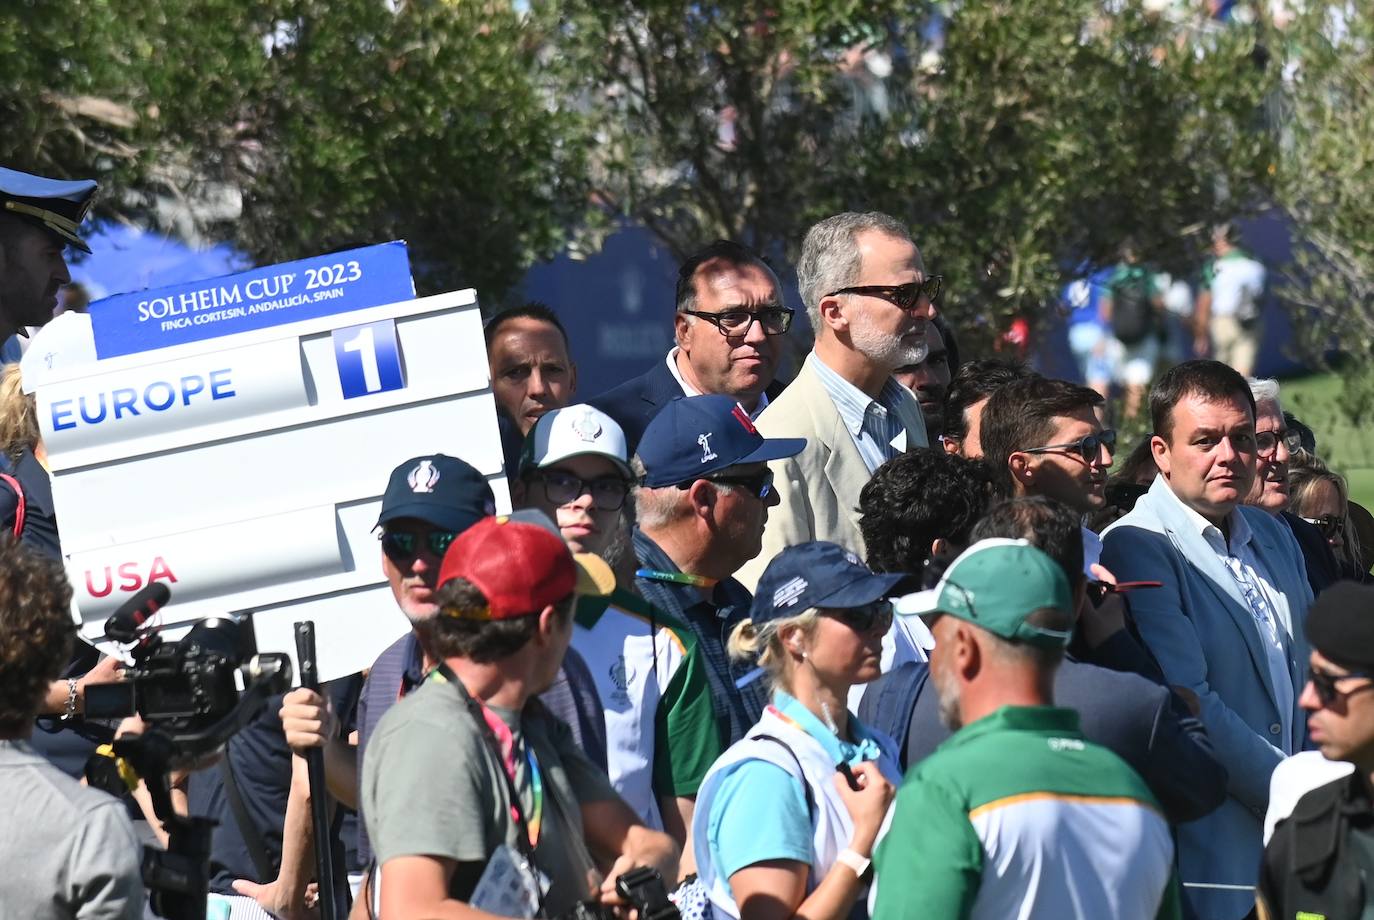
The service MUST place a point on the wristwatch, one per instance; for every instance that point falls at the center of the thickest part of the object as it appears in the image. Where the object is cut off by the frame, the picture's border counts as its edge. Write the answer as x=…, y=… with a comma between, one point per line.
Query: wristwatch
x=862, y=865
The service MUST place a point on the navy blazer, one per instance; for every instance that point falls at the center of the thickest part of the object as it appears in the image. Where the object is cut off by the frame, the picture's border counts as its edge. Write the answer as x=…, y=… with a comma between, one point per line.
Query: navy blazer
x=1125, y=713
x=634, y=403
x=1204, y=636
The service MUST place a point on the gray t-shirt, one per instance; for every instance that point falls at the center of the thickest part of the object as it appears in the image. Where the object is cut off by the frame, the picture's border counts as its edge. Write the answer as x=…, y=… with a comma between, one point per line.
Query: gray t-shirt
x=433, y=786
x=66, y=851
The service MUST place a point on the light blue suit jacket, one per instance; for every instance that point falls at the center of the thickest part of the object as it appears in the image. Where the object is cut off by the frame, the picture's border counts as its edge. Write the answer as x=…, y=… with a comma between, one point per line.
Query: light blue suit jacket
x=1205, y=638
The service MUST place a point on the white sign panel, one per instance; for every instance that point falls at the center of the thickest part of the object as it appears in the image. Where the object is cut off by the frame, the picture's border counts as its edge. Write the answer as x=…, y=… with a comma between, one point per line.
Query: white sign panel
x=246, y=471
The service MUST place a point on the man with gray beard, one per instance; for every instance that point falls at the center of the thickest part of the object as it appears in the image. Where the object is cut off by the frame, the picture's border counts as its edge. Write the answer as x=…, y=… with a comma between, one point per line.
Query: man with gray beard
x=869, y=298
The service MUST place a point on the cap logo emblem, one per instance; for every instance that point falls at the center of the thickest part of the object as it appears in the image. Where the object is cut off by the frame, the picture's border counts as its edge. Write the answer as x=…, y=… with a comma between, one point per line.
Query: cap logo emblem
x=423, y=478
x=787, y=594
x=707, y=455
x=743, y=418
x=586, y=427
x=851, y=559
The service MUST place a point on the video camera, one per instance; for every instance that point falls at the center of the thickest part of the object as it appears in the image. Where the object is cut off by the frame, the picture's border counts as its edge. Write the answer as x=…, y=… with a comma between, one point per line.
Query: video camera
x=198, y=690
x=194, y=693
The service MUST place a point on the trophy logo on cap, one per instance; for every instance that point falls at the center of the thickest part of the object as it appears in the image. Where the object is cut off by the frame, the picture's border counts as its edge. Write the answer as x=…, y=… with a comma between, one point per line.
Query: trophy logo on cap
x=423, y=478
x=586, y=426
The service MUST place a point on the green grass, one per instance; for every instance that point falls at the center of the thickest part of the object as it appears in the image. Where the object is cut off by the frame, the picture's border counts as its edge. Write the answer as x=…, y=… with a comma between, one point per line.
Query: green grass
x=1346, y=444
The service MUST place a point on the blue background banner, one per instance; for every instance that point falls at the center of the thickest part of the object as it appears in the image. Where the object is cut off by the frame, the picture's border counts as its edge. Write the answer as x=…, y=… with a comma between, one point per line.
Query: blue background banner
x=127, y=324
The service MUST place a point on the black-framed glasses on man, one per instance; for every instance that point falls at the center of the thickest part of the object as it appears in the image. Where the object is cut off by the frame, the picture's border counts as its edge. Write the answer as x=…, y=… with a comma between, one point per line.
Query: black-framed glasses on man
x=759, y=484
x=608, y=492
x=903, y=296
x=774, y=320
x=1088, y=447
x=1325, y=684
x=1267, y=442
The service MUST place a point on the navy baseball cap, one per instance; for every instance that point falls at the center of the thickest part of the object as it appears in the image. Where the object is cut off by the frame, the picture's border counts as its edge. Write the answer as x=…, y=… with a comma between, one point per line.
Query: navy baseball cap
x=56, y=205
x=819, y=574
x=440, y=490
x=695, y=436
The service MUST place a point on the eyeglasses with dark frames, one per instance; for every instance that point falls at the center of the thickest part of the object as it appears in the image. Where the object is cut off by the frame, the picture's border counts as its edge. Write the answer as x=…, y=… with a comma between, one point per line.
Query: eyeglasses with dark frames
x=774, y=320
x=865, y=619
x=759, y=485
x=401, y=546
x=561, y=488
x=1325, y=684
x=1088, y=447
x=1267, y=442
x=905, y=297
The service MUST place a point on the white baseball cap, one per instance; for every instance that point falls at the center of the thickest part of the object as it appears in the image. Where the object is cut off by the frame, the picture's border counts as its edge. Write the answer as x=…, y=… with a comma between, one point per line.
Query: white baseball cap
x=574, y=431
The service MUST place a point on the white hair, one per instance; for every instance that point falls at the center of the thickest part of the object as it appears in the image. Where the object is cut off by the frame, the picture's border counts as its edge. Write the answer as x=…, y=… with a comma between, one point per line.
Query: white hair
x=1265, y=389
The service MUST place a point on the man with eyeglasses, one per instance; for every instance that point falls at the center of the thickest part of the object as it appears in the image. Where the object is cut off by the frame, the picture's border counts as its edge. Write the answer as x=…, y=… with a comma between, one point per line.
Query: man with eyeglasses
x=869, y=299
x=428, y=502
x=727, y=333
x=1227, y=621
x=1042, y=436
x=1319, y=860
x=702, y=501
x=661, y=729
x=1274, y=444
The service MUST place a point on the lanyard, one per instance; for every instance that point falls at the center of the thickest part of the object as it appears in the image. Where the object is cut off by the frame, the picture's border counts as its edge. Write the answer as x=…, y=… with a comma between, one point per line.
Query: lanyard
x=679, y=578
x=502, y=741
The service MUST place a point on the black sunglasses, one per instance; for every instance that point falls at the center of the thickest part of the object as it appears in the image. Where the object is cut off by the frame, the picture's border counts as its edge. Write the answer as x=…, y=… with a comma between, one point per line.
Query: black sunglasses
x=1330, y=525
x=865, y=619
x=1325, y=684
x=775, y=320
x=401, y=546
x=1088, y=447
x=903, y=296
x=758, y=485
x=608, y=492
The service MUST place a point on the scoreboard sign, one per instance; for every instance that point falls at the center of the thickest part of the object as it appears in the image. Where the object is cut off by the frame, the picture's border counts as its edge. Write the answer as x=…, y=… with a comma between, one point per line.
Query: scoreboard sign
x=242, y=460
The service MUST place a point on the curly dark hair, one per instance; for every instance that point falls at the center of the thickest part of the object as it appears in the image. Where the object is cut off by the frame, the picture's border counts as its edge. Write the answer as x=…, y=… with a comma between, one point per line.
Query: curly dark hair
x=448, y=634
x=916, y=498
x=36, y=631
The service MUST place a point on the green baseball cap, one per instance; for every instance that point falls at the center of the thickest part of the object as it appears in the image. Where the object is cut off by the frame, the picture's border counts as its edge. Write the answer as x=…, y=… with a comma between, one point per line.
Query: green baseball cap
x=995, y=585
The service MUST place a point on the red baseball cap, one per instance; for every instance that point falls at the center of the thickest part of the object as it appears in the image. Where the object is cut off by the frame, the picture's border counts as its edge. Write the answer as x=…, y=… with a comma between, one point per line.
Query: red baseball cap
x=521, y=565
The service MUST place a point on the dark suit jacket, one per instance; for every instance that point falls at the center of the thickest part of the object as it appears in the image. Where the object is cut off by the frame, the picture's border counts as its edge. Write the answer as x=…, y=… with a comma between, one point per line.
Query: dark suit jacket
x=1125, y=713
x=635, y=402
x=1323, y=570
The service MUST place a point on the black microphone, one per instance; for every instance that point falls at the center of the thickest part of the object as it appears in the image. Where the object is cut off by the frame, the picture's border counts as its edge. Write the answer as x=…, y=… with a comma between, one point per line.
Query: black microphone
x=123, y=624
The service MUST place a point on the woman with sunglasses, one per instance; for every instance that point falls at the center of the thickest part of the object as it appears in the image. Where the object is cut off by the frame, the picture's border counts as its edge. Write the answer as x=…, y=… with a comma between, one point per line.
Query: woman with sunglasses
x=1319, y=495
x=779, y=828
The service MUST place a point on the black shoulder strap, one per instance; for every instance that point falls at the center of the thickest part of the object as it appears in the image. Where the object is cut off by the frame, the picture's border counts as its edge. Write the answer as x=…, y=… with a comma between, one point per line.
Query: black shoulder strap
x=257, y=851
x=806, y=786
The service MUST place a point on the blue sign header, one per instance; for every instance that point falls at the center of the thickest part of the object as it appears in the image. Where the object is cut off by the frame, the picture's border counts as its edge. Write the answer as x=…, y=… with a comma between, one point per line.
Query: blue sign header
x=127, y=324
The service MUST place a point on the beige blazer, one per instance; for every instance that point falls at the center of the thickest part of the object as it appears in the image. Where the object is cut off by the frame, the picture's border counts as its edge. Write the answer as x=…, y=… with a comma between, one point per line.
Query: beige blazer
x=819, y=488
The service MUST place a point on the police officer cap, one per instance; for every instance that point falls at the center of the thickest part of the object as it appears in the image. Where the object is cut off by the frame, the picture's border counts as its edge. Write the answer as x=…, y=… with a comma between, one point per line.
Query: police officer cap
x=1340, y=625
x=53, y=204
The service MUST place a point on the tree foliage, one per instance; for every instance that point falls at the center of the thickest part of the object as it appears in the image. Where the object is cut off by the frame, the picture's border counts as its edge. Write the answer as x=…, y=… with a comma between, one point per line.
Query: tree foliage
x=1326, y=184
x=1032, y=137
x=335, y=122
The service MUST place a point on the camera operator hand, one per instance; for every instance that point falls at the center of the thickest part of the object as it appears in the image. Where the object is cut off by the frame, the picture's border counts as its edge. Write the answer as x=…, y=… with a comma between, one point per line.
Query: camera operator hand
x=308, y=720
x=867, y=806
